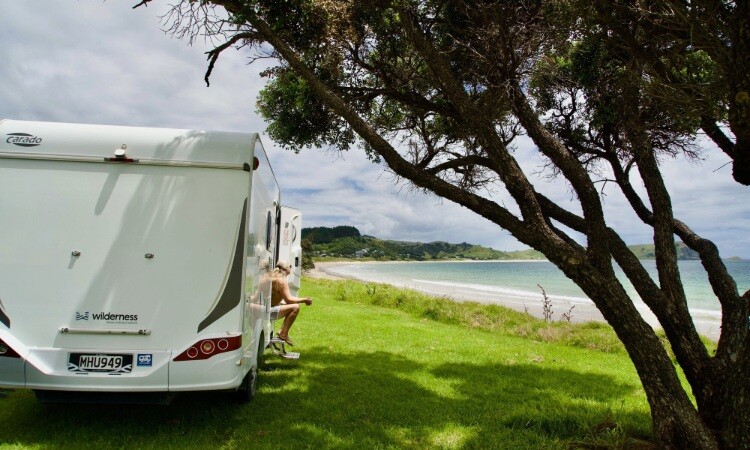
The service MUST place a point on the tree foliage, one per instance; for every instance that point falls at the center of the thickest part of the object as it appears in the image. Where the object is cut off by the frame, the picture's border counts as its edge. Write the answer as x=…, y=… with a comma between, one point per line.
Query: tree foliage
x=441, y=90
x=322, y=235
x=307, y=250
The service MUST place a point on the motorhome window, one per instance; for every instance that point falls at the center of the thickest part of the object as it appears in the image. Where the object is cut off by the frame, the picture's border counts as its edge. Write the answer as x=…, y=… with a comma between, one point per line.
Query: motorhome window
x=294, y=233
x=269, y=223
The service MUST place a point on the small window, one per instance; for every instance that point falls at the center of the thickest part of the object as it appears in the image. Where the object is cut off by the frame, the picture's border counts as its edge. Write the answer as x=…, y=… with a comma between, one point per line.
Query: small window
x=294, y=234
x=269, y=224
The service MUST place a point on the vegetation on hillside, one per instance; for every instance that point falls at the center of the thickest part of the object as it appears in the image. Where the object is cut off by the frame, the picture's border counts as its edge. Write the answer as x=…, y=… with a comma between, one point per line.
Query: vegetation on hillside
x=374, y=248
x=322, y=235
x=648, y=251
x=348, y=242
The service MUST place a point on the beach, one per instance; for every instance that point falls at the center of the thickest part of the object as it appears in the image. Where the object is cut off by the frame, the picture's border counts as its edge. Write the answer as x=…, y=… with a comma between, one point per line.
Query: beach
x=580, y=311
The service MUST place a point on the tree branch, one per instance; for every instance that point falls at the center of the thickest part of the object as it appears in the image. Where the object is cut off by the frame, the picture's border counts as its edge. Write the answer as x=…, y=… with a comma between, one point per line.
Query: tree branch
x=509, y=172
x=478, y=204
x=143, y=3
x=717, y=135
x=460, y=162
x=213, y=55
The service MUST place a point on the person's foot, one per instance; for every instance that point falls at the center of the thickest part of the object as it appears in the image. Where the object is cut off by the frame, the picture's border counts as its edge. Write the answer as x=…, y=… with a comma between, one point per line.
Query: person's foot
x=286, y=339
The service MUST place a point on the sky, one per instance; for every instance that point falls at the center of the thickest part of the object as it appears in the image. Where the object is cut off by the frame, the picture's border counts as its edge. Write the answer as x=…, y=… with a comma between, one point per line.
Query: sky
x=101, y=62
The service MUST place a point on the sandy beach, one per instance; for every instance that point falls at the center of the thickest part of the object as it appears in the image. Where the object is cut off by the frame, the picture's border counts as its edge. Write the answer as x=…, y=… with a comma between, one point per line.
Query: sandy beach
x=582, y=312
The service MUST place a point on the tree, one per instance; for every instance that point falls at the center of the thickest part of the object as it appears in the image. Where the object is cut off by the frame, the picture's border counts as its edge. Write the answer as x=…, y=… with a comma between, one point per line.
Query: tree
x=321, y=235
x=440, y=91
x=307, y=260
x=697, y=54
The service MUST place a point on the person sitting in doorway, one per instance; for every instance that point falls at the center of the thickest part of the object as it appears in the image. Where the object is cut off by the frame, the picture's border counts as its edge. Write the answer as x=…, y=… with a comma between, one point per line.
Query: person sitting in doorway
x=283, y=303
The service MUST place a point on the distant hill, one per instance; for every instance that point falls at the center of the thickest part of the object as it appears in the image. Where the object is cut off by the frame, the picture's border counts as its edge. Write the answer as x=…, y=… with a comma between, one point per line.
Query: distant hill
x=641, y=251
x=528, y=254
x=347, y=242
x=647, y=251
x=371, y=247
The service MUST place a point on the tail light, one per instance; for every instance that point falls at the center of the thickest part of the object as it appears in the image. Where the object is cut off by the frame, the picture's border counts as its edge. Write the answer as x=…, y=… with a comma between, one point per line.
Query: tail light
x=206, y=348
x=6, y=351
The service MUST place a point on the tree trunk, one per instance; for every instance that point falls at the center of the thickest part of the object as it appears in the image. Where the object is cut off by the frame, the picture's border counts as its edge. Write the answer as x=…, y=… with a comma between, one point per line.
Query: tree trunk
x=724, y=398
x=741, y=164
x=735, y=412
x=676, y=422
x=739, y=95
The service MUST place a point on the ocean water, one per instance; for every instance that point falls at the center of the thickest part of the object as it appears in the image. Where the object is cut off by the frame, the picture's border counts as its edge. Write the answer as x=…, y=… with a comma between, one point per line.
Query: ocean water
x=522, y=280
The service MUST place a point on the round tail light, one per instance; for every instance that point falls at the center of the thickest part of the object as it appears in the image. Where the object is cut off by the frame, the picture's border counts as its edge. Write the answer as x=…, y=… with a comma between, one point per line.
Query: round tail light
x=207, y=347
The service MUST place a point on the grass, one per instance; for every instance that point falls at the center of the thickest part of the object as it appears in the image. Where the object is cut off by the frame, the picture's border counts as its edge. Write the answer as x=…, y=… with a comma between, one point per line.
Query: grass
x=384, y=368
x=494, y=318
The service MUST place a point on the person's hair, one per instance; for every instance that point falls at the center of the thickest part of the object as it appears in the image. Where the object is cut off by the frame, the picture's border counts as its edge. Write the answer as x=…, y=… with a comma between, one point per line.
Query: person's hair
x=281, y=271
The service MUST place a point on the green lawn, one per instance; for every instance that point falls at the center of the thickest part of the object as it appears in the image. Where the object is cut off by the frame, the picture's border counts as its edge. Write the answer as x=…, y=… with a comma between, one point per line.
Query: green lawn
x=378, y=377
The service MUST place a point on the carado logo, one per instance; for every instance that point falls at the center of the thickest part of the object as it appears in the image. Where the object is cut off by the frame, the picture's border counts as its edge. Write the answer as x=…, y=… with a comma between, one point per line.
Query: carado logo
x=23, y=139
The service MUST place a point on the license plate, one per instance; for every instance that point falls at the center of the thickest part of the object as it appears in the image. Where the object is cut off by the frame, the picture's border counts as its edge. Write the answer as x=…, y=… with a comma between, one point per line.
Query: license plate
x=101, y=363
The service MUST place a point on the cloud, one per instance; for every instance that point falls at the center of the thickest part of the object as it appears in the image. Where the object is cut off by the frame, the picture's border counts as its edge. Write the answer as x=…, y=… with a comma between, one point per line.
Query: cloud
x=102, y=62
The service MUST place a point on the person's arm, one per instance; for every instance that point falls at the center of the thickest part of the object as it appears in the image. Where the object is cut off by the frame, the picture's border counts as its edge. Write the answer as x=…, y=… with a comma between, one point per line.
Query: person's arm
x=286, y=294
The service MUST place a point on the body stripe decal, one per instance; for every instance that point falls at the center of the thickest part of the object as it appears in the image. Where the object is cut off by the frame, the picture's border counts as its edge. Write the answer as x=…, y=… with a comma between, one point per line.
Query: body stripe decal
x=232, y=294
x=4, y=319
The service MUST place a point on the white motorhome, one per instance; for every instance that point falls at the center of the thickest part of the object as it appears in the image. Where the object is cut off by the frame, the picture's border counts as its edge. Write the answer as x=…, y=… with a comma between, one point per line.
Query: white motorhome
x=135, y=261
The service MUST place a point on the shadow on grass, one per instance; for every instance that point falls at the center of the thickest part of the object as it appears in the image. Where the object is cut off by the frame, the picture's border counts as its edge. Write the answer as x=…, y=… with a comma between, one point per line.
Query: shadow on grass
x=350, y=400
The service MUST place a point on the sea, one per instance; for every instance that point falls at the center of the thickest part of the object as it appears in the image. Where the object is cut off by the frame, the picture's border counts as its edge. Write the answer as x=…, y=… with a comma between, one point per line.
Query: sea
x=524, y=280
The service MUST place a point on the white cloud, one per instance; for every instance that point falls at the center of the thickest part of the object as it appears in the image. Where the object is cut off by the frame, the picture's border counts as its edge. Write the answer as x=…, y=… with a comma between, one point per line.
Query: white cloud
x=102, y=62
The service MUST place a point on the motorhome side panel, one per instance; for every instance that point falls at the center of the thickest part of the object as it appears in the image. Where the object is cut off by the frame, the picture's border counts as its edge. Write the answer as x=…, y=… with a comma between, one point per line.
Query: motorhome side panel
x=264, y=201
x=122, y=259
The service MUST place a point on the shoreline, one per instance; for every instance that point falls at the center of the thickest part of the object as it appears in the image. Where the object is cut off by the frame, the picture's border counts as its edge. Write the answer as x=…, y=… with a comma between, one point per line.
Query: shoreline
x=580, y=312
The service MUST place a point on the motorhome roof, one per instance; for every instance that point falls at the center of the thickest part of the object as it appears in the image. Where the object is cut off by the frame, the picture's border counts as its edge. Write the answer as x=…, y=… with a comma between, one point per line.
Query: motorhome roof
x=61, y=140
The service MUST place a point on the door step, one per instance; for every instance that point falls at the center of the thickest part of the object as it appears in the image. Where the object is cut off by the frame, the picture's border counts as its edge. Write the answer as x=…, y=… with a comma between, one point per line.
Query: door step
x=279, y=348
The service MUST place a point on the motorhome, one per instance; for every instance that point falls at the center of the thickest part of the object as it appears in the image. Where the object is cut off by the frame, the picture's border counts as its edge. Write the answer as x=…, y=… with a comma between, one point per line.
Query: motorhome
x=135, y=262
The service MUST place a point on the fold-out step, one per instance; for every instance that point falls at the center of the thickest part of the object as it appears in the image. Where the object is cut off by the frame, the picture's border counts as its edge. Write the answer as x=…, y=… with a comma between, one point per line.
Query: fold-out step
x=279, y=348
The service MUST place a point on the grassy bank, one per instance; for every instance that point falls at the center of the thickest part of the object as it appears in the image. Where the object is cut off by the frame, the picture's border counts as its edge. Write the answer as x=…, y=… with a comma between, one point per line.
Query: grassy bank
x=497, y=319
x=423, y=375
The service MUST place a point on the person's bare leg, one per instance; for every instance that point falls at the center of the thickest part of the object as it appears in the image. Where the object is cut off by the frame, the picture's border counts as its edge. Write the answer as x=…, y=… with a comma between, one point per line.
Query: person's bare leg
x=289, y=312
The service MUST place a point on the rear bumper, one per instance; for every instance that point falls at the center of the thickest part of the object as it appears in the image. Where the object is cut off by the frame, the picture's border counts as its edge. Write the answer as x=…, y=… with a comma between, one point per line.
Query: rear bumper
x=47, y=370
x=220, y=372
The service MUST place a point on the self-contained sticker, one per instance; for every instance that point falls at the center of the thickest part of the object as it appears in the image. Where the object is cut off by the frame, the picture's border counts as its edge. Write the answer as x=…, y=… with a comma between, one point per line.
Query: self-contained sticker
x=145, y=360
